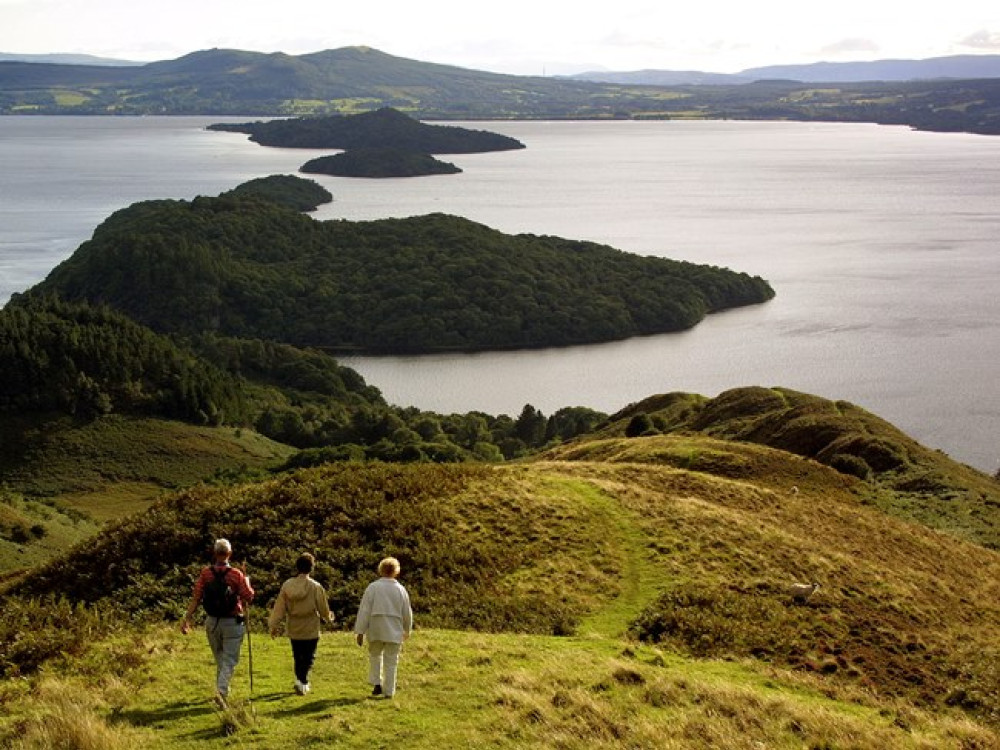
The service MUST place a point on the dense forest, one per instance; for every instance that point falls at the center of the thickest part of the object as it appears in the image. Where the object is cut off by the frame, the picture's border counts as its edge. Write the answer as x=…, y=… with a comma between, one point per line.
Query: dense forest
x=87, y=361
x=378, y=162
x=247, y=267
x=382, y=128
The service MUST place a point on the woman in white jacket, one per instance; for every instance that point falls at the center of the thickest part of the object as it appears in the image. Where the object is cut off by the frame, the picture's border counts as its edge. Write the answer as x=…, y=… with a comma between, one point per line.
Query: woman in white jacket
x=386, y=618
x=302, y=606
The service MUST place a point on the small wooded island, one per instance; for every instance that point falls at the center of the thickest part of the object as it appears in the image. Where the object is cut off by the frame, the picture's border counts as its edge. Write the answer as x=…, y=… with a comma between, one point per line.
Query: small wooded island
x=242, y=264
x=382, y=143
x=381, y=128
x=378, y=162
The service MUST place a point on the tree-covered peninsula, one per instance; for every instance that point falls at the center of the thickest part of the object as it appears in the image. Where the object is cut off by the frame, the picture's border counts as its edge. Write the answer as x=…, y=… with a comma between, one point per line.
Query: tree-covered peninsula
x=247, y=267
x=378, y=162
x=382, y=128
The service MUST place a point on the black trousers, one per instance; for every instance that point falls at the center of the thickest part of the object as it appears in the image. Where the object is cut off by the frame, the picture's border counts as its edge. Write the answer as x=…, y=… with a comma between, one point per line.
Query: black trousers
x=304, y=654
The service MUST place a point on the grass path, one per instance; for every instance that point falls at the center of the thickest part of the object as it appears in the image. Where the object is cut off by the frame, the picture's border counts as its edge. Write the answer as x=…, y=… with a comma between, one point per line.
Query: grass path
x=639, y=581
x=444, y=675
x=452, y=690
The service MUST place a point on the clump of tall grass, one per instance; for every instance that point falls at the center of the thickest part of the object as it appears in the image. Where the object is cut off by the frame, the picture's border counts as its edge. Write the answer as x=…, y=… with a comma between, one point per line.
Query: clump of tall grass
x=236, y=716
x=68, y=718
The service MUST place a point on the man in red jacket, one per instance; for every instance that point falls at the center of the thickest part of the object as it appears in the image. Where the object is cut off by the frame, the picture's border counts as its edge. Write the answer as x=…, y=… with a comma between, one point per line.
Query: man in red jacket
x=225, y=592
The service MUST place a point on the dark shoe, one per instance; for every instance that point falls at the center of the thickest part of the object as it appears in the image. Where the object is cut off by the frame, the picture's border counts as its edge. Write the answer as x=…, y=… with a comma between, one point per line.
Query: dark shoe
x=377, y=690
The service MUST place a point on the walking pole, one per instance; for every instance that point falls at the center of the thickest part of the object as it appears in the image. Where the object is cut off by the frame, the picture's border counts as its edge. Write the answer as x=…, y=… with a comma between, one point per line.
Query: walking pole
x=246, y=622
x=249, y=650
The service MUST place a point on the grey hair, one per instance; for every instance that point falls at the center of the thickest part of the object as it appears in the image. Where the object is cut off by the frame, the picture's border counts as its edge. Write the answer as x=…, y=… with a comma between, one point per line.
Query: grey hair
x=222, y=547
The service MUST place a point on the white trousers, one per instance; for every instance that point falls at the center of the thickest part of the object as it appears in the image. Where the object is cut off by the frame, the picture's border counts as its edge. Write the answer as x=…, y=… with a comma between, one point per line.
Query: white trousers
x=383, y=657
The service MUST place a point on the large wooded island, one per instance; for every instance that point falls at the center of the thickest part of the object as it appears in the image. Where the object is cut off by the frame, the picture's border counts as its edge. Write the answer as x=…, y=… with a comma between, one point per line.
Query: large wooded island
x=244, y=265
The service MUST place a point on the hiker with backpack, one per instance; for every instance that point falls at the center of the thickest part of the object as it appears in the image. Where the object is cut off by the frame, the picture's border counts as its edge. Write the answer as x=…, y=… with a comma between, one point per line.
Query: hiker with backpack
x=225, y=594
x=302, y=606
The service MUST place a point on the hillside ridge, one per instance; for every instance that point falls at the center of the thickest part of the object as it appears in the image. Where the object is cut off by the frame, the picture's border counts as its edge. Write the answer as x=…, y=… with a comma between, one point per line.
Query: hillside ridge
x=662, y=570
x=353, y=80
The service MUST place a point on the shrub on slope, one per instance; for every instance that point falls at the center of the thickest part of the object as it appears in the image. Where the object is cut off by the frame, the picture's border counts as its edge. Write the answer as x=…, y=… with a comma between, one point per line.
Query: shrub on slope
x=477, y=545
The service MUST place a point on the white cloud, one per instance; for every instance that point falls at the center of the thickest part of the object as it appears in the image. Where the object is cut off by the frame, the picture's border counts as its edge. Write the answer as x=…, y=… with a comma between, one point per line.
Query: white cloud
x=850, y=47
x=983, y=39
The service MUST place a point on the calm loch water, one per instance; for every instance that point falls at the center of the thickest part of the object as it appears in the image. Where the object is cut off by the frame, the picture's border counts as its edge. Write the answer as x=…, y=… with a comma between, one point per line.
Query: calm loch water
x=883, y=245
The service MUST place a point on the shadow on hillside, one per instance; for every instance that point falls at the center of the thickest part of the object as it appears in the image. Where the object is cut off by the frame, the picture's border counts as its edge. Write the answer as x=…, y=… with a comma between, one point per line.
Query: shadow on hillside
x=316, y=706
x=168, y=713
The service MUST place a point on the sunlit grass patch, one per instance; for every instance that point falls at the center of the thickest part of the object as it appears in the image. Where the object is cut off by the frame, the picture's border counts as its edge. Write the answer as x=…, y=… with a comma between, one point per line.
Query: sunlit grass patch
x=62, y=714
x=69, y=98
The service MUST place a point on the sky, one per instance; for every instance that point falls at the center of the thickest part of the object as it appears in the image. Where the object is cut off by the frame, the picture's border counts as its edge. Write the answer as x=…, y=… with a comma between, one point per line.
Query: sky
x=523, y=37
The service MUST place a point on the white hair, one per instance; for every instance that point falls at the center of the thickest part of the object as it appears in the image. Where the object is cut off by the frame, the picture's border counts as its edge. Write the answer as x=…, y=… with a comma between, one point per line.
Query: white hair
x=222, y=547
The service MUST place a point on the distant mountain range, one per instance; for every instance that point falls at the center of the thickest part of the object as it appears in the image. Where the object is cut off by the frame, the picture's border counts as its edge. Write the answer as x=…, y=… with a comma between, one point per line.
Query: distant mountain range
x=959, y=94
x=67, y=59
x=934, y=68
x=237, y=82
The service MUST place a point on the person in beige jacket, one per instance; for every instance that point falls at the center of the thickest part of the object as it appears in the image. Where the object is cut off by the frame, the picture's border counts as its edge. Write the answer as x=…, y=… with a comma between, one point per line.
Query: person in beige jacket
x=301, y=606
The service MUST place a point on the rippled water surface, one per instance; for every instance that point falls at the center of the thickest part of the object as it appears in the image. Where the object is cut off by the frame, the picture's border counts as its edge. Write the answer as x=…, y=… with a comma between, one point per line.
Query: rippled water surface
x=882, y=245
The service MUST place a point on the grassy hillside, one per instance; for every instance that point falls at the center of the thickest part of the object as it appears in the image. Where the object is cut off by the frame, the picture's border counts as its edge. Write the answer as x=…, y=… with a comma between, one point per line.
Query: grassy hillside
x=63, y=478
x=899, y=475
x=117, y=464
x=32, y=531
x=655, y=593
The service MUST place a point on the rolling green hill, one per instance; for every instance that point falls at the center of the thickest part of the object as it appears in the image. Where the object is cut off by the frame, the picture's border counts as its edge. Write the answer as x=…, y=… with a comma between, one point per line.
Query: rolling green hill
x=601, y=596
x=220, y=81
x=901, y=476
x=360, y=79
